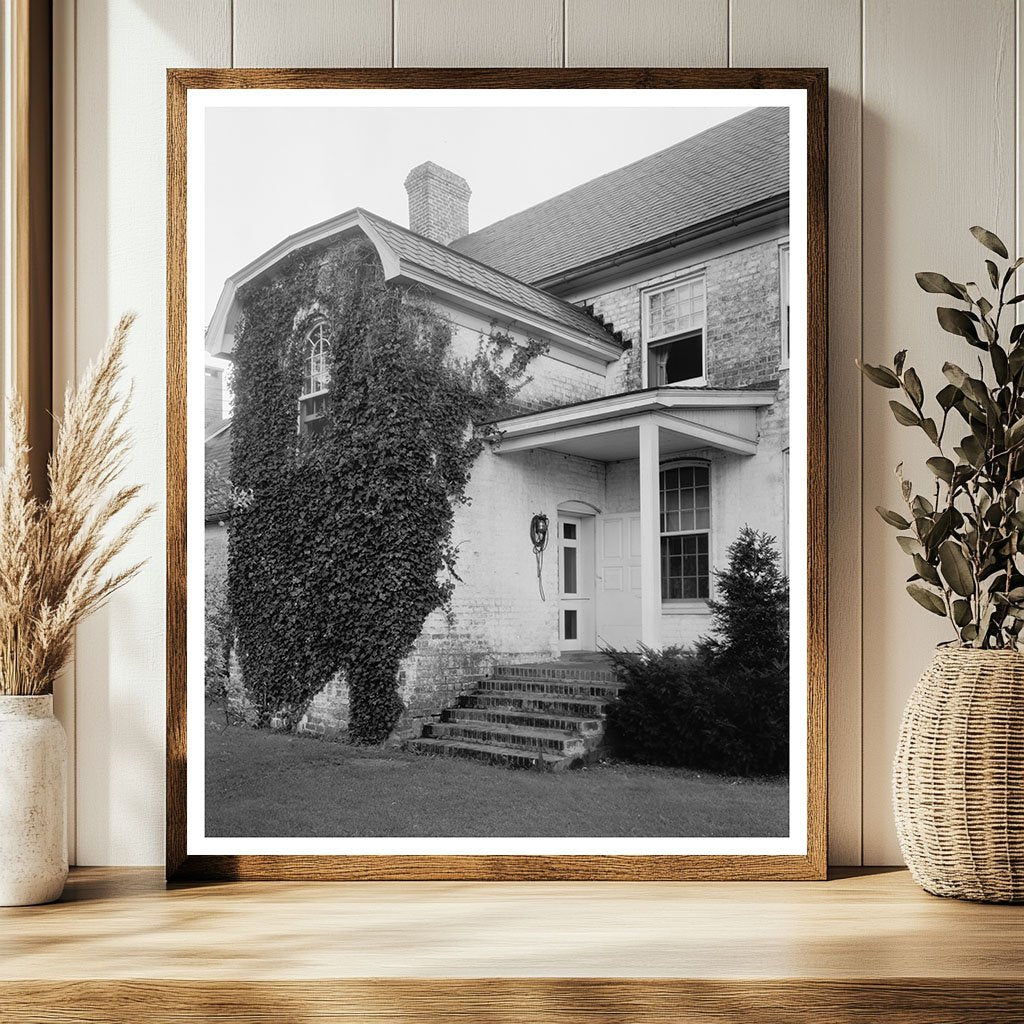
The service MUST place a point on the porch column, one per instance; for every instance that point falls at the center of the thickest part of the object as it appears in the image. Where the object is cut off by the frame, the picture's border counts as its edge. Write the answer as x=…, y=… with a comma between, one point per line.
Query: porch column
x=650, y=534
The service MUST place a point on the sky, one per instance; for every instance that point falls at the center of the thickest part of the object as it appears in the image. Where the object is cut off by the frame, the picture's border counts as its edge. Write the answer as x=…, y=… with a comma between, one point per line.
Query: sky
x=271, y=171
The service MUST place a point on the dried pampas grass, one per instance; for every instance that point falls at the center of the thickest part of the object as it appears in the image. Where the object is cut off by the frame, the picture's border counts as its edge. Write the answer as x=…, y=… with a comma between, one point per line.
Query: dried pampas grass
x=56, y=556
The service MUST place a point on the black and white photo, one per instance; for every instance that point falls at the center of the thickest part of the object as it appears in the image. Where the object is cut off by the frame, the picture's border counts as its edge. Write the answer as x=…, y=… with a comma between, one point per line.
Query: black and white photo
x=497, y=412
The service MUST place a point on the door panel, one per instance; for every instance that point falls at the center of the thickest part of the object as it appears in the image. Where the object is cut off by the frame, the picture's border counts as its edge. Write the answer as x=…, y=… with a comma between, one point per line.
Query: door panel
x=618, y=580
x=576, y=583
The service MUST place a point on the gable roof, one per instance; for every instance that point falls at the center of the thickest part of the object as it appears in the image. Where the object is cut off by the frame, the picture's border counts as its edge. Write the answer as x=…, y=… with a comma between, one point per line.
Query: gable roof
x=467, y=271
x=412, y=258
x=736, y=165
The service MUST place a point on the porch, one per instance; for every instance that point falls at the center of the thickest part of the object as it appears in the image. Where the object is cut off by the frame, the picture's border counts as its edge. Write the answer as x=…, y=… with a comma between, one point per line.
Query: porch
x=652, y=426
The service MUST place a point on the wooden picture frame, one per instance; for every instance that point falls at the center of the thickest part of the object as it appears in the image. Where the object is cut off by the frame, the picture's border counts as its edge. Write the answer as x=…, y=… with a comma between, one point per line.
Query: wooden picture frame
x=810, y=864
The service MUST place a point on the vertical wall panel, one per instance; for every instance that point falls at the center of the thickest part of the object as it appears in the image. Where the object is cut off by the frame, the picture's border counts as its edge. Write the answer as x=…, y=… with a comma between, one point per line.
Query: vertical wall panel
x=646, y=33
x=941, y=151
x=122, y=53
x=939, y=156
x=312, y=33
x=800, y=33
x=64, y=261
x=467, y=33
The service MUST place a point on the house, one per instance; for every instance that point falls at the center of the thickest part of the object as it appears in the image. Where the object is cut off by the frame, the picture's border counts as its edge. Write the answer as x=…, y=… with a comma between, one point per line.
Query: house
x=655, y=425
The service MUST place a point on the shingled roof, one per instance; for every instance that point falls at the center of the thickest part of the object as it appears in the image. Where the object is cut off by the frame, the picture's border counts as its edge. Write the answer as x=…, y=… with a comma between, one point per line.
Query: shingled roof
x=733, y=166
x=412, y=256
x=464, y=270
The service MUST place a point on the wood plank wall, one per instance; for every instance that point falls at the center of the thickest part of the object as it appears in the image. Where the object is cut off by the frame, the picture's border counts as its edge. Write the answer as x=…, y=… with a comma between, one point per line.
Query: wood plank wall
x=925, y=141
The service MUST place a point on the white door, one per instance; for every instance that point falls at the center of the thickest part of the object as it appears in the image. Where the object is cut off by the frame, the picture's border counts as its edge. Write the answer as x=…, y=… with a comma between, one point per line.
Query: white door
x=575, y=583
x=618, y=580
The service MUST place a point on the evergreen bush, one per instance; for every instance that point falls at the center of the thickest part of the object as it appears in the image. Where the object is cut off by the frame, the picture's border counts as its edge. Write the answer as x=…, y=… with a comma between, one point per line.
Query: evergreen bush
x=724, y=705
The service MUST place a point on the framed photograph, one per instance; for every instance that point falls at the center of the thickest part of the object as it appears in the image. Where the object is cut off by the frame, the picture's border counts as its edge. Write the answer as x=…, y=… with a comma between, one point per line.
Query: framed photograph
x=496, y=474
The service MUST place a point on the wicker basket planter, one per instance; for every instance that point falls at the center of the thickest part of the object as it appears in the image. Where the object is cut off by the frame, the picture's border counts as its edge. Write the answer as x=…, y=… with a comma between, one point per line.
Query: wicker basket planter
x=958, y=777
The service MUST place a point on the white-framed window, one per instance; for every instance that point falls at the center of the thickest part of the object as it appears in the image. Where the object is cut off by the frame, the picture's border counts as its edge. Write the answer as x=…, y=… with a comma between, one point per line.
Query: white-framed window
x=219, y=387
x=784, y=302
x=686, y=531
x=316, y=378
x=675, y=332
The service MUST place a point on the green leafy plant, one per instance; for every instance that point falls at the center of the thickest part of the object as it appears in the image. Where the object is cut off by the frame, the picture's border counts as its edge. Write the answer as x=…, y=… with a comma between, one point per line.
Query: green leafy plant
x=965, y=530
x=340, y=541
x=724, y=705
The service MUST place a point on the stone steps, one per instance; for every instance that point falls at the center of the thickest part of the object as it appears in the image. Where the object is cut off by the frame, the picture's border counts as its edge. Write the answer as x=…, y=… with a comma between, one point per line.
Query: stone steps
x=552, y=704
x=547, y=715
x=553, y=741
x=509, y=757
x=557, y=670
x=550, y=687
x=527, y=719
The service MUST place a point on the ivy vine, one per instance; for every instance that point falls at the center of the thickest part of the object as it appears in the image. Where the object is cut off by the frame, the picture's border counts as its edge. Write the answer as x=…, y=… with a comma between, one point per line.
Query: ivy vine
x=343, y=546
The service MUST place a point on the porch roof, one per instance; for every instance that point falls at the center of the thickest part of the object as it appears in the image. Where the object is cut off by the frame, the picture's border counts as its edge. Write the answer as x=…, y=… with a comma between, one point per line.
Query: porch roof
x=605, y=429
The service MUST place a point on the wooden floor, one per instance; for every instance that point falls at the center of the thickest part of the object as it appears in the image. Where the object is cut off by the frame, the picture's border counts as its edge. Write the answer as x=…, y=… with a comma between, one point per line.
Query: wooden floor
x=864, y=947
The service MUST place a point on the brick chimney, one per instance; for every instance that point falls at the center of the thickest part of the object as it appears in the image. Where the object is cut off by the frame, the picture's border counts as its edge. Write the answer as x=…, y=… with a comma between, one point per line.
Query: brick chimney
x=438, y=203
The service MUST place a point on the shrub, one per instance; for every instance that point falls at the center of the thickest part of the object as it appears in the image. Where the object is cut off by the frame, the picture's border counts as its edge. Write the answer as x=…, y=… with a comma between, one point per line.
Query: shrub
x=724, y=706
x=219, y=638
x=665, y=714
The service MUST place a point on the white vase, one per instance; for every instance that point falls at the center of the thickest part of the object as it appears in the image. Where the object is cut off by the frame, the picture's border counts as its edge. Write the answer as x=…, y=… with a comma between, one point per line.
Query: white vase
x=33, y=802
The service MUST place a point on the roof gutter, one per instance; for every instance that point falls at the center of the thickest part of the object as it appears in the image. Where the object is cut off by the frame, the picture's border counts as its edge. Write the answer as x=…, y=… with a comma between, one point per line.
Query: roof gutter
x=765, y=207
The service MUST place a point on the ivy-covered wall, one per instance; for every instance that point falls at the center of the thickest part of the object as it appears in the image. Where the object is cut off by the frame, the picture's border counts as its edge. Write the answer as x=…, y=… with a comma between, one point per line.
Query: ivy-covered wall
x=343, y=546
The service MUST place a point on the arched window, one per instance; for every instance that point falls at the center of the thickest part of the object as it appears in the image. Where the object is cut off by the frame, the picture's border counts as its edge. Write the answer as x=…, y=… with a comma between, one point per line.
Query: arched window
x=316, y=379
x=685, y=532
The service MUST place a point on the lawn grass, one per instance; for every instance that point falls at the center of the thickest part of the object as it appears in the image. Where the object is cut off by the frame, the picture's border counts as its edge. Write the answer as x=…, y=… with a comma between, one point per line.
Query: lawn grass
x=271, y=784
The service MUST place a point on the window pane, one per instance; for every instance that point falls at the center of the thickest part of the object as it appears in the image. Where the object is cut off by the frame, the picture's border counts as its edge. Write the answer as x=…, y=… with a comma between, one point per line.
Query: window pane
x=569, y=531
x=683, y=359
x=677, y=309
x=685, y=563
x=569, y=574
x=685, y=567
x=570, y=624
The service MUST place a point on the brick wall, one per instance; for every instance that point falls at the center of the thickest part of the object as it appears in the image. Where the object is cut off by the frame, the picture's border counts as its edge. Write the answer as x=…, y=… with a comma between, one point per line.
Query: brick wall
x=744, y=331
x=497, y=612
x=743, y=326
x=550, y=381
x=438, y=203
